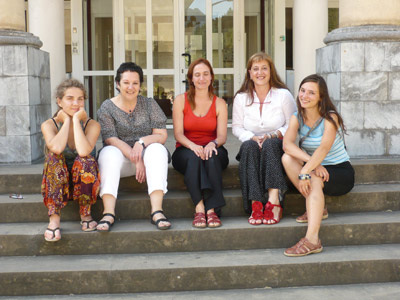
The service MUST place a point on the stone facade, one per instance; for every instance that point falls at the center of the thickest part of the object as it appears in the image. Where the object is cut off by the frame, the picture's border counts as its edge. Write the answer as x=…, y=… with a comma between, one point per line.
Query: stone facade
x=24, y=102
x=363, y=78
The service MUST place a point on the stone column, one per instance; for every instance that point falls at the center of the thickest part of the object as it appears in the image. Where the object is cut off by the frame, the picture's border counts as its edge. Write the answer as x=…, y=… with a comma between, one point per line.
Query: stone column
x=310, y=26
x=49, y=27
x=24, y=87
x=361, y=64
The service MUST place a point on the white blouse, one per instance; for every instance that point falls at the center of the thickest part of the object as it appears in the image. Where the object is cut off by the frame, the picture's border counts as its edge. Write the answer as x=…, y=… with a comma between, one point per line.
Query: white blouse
x=278, y=107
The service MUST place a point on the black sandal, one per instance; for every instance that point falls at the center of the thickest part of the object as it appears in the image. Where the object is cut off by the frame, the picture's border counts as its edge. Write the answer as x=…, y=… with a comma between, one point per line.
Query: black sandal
x=106, y=222
x=165, y=219
x=88, y=225
x=53, y=239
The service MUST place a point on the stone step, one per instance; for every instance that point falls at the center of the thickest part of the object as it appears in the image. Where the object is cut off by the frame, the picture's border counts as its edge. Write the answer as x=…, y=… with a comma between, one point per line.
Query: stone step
x=167, y=272
x=370, y=291
x=177, y=204
x=139, y=236
x=27, y=179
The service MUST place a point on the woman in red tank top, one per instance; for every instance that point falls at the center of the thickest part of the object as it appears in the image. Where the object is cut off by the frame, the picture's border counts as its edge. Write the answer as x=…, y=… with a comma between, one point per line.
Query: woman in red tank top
x=200, y=127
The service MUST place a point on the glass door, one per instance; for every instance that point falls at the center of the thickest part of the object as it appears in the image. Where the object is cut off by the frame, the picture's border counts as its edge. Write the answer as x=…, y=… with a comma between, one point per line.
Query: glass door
x=149, y=36
x=163, y=37
x=208, y=31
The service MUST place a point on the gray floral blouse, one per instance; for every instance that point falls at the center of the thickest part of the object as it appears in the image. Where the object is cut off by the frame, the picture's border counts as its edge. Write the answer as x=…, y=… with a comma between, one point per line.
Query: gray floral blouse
x=129, y=127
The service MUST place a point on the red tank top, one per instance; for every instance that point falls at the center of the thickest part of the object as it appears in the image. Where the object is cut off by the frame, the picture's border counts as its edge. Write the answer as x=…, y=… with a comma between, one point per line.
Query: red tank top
x=200, y=130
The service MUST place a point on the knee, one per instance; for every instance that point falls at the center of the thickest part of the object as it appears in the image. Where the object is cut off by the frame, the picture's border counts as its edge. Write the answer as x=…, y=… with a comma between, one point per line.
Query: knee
x=87, y=163
x=155, y=153
x=286, y=159
x=155, y=149
x=271, y=144
x=109, y=155
x=249, y=145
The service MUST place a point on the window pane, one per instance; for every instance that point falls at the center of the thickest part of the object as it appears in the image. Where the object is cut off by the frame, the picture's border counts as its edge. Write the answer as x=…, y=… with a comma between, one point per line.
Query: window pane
x=195, y=29
x=99, y=88
x=223, y=88
x=164, y=92
x=252, y=27
x=135, y=31
x=222, y=33
x=98, y=35
x=163, y=34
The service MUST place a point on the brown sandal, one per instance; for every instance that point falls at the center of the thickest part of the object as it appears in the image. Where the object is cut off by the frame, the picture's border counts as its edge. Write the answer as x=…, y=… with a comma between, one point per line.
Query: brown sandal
x=199, y=220
x=303, y=247
x=304, y=218
x=212, y=220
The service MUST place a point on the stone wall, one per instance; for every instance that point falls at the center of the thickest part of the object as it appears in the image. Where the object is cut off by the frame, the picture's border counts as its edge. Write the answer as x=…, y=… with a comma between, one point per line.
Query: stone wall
x=24, y=102
x=364, y=81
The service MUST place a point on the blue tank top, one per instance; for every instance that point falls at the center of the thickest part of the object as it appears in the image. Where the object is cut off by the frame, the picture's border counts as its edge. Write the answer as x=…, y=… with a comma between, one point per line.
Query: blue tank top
x=336, y=155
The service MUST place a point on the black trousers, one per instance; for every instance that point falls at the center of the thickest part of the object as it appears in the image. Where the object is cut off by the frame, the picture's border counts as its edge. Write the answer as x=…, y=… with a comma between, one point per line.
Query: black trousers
x=260, y=170
x=203, y=178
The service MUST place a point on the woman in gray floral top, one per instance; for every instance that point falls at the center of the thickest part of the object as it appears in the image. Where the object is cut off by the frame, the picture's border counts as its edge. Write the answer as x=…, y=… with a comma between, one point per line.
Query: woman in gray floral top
x=134, y=130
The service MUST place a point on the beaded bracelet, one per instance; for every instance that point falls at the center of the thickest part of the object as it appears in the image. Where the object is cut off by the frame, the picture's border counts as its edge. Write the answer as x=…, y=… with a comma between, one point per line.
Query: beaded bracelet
x=304, y=176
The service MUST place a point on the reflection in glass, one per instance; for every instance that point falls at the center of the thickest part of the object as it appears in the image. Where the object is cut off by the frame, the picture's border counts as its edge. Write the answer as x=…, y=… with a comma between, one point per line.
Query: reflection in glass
x=99, y=88
x=195, y=29
x=163, y=34
x=223, y=88
x=252, y=27
x=135, y=31
x=98, y=35
x=222, y=33
x=164, y=92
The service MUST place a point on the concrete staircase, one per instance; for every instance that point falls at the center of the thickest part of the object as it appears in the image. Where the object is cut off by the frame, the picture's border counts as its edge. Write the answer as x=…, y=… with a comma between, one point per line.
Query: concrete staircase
x=361, y=241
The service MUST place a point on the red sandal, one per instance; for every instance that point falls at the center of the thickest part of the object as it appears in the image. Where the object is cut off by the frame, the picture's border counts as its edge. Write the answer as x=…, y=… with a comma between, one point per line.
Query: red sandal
x=269, y=215
x=199, y=220
x=256, y=213
x=212, y=220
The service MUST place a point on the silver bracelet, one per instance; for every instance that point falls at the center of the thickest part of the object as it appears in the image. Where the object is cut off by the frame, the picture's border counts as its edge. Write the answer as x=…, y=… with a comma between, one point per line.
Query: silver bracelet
x=304, y=176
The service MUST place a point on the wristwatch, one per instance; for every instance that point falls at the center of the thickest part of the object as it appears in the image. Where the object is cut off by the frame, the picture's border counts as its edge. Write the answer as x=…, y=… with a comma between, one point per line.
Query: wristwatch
x=140, y=141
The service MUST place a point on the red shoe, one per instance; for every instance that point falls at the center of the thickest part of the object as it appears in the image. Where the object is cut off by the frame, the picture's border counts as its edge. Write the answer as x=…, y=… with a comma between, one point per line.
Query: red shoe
x=212, y=220
x=256, y=214
x=269, y=215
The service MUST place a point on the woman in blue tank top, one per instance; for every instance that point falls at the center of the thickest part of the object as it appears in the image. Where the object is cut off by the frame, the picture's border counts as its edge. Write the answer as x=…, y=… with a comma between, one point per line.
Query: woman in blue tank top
x=320, y=164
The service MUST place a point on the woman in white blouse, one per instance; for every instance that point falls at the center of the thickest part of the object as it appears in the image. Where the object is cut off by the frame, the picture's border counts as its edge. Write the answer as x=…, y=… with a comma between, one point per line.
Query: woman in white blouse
x=261, y=112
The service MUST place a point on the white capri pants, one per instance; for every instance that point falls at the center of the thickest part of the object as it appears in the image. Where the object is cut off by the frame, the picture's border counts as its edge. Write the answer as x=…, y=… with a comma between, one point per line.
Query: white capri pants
x=114, y=165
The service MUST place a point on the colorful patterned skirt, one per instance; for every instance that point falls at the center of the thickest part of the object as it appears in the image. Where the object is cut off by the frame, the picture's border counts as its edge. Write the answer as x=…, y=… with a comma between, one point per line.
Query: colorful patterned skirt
x=59, y=185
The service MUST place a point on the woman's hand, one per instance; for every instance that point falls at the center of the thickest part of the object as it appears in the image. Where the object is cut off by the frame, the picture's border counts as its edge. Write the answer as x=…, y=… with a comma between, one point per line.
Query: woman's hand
x=140, y=171
x=198, y=150
x=61, y=116
x=322, y=172
x=136, y=153
x=81, y=114
x=209, y=149
x=259, y=139
x=305, y=187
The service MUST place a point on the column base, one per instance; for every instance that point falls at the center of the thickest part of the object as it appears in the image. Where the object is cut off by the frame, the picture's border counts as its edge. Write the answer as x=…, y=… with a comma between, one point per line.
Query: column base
x=15, y=37
x=365, y=33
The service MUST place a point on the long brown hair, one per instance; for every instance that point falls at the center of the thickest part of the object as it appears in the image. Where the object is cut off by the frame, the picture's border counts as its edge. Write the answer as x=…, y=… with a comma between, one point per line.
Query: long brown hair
x=274, y=81
x=192, y=90
x=325, y=106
